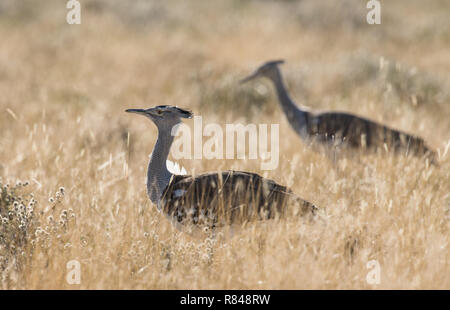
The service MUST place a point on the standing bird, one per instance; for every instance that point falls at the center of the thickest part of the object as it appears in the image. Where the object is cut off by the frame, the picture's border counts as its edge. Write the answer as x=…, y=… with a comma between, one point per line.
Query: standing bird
x=339, y=129
x=203, y=202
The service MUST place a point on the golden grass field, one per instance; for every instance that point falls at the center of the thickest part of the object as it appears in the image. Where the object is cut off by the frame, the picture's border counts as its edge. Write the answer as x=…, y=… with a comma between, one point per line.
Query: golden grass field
x=64, y=89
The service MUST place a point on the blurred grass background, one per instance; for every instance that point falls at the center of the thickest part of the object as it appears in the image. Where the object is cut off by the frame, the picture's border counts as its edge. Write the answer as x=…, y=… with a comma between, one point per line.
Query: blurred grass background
x=63, y=90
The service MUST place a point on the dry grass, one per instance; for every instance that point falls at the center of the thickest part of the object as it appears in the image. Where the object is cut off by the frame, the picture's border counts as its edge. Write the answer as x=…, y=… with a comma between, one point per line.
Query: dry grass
x=63, y=90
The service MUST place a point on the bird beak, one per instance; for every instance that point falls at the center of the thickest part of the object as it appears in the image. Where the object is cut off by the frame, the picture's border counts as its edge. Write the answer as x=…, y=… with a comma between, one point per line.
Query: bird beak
x=137, y=111
x=248, y=78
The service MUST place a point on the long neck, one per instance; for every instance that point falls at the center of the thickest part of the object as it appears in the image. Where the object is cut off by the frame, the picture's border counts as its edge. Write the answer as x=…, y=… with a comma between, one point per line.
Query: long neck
x=295, y=115
x=158, y=177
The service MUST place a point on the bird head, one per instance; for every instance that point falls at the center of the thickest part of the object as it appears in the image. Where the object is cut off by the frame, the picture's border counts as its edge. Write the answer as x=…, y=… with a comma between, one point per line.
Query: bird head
x=268, y=70
x=163, y=115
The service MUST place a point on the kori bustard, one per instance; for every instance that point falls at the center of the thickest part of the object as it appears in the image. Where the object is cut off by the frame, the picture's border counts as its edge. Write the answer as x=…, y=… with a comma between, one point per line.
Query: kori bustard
x=339, y=130
x=202, y=202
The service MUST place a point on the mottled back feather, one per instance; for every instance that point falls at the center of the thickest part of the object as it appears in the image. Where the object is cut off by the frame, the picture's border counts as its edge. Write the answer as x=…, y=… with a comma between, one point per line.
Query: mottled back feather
x=229, y=197
x=358, y=132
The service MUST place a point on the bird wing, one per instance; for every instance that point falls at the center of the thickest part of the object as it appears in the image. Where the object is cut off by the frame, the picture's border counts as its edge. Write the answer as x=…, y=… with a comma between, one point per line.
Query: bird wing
x=359, y=132
x=228, y=195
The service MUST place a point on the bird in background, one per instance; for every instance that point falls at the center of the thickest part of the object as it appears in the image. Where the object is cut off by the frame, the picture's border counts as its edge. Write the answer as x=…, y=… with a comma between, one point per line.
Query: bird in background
x=200, y=203
x=339, y=130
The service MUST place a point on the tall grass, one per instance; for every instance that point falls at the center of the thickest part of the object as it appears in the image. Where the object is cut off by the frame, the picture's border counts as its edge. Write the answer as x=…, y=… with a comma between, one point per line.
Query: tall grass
x=63, y=90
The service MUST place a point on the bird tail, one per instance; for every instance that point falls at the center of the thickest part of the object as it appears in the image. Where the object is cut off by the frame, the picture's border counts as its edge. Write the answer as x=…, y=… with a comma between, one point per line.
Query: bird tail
x=420, y=148
x=302, y=207
x=433, y=158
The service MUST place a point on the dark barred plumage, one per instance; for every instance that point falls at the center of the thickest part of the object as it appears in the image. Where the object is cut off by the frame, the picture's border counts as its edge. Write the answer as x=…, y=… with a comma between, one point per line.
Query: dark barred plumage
x=339, y=130
x=215, y=199
x=360, y=133
x=229, y=197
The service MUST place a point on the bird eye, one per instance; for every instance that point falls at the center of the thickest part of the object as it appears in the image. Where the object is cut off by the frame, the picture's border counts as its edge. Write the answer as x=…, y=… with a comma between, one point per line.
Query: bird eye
x=159, y=112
